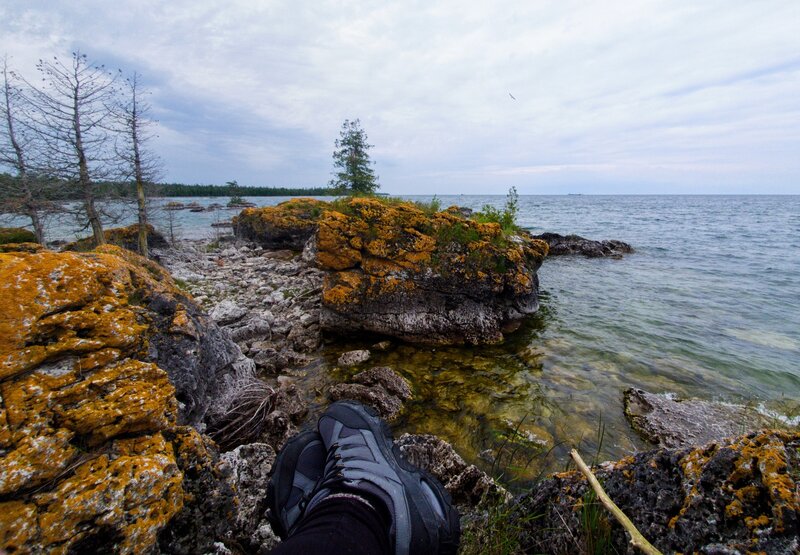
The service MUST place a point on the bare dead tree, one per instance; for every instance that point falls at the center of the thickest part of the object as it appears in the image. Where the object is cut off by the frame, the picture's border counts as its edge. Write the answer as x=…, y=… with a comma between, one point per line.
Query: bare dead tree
x=23, y=193
x=139, y=163
x=73, y=119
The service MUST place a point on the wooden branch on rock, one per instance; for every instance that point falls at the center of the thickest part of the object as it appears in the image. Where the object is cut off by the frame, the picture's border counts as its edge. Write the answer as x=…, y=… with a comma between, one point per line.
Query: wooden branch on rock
x=637, y=539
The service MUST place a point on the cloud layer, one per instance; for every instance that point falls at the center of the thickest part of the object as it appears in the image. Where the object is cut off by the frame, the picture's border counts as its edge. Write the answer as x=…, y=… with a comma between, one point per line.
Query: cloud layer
x=649, y=97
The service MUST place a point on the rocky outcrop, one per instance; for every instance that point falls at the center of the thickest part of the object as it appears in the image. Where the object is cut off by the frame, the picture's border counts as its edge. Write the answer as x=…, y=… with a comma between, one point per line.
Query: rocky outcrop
x=9, y=235
x=286, y=226
x=102, y=363
x=439, y=278
x=668, y=421
x=125, y=237
x=575, y=244
x=734, y=496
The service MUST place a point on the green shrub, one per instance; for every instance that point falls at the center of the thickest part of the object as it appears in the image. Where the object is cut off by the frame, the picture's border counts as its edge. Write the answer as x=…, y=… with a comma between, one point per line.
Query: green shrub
x=506, y=218
x=16, y=235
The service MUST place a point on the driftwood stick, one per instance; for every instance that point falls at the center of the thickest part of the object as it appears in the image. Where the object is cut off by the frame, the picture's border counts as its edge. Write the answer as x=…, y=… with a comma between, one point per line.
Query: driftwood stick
x=637, y=539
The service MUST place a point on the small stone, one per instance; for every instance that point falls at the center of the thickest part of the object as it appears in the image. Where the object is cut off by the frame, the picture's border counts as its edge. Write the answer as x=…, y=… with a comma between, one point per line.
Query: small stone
x=227, y=312
x=382, y=346
x=352, y=358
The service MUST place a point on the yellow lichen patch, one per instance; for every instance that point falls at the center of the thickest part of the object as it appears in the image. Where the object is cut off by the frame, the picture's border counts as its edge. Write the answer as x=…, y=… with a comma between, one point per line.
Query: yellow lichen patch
x=341, y=288
x=297, y=213
x=131, y=397
x=60, y=304
x=135, y=492
x=181, y=323
x=74, y=381
x=22, y=247
x=19, y=529
x=34, y=460
x=760, y=472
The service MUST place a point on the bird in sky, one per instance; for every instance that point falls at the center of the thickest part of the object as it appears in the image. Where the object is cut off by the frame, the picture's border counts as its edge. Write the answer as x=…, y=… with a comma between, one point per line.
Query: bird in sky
x=512, y=96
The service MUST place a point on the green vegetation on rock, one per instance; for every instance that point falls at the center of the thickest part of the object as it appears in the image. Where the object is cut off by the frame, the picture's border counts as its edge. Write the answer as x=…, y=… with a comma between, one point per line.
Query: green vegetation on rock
x=10, y=235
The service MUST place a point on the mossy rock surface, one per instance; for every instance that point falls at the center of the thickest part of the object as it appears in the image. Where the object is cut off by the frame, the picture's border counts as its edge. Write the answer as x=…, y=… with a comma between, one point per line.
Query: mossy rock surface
x=10, y=235
x=103, y=363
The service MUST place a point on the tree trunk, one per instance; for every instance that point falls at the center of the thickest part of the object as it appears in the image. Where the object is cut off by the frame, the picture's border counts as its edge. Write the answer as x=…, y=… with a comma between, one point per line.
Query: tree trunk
x=142, y=219
x=83, y=178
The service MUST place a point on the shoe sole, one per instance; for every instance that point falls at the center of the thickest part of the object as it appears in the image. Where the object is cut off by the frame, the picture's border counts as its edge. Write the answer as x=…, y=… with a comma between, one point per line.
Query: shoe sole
x=409, y=473
x=280, y=485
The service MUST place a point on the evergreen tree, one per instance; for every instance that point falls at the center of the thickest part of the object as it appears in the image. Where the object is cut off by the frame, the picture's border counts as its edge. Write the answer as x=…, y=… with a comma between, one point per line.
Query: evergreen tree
x=352, y=166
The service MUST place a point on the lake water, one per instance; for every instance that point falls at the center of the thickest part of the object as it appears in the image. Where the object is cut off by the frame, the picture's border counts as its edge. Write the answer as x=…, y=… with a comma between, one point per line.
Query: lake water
x=708, y=306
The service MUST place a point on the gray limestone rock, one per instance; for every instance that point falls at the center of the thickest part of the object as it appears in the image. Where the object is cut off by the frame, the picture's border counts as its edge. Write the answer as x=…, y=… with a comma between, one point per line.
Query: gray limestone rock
x=667, y=421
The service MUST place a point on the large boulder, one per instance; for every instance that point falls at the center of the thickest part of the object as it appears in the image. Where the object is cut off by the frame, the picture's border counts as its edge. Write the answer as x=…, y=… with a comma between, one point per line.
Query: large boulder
x=399, y=269
x=438, y=278
x=733, y=496
x=286, y=226
x=102, y=363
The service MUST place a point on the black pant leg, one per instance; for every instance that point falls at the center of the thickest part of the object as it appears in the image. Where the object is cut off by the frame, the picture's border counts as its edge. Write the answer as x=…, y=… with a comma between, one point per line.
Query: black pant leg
x=338, y=525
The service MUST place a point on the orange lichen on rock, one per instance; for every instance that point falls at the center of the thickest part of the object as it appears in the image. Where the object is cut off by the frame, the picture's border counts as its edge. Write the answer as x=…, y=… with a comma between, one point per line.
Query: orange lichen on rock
x=763, y=492
x=287, y=225
x=83, y=413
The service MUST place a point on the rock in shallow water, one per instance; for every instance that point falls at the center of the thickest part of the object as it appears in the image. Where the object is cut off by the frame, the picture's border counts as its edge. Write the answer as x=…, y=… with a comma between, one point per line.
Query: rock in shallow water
x=466, y=484
x=351, y=358
x=380, y=388
x=575, y=244
x=671, y=422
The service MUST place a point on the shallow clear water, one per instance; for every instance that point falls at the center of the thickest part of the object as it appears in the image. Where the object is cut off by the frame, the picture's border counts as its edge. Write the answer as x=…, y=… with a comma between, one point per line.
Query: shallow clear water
x=708, y=306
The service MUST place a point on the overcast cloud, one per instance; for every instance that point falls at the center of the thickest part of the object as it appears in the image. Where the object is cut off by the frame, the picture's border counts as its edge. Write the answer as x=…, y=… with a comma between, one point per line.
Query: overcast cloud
x=611, y=97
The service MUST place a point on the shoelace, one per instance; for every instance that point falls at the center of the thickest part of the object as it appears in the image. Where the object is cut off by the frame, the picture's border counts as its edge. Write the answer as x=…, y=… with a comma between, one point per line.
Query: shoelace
x=331, y=476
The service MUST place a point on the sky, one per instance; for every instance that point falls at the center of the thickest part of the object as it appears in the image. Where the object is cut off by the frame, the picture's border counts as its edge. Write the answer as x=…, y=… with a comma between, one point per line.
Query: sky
x=456, y=96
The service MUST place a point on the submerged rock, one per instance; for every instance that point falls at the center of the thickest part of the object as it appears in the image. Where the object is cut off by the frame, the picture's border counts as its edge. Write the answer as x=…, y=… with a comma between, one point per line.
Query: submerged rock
x=381, y=388
x=102, y=359
x=466, y=484
x=734, y=496
x=351, y=358
x=575, y=244
x=671, y=422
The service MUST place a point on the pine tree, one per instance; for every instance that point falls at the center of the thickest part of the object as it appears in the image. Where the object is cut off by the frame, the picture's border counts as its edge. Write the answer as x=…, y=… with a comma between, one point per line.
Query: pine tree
x=352, y=166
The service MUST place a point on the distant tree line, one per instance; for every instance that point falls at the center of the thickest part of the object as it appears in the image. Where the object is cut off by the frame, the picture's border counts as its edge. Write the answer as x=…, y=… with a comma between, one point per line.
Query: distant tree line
x=56, y=190
x=181, y=190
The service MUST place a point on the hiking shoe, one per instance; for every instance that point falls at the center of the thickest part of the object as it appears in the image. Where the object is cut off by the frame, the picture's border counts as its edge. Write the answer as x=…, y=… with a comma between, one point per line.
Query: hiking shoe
x=297, y=470
x=362, y=459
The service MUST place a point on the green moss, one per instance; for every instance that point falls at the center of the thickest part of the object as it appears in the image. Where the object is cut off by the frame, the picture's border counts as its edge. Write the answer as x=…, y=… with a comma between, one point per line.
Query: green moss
x=10, y=235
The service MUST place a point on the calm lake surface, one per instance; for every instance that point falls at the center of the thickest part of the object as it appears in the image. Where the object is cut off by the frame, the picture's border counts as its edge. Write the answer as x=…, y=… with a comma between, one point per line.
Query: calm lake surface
x=708, y=306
